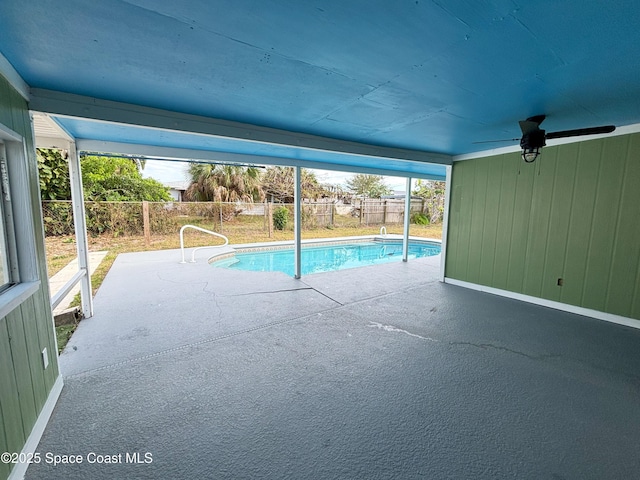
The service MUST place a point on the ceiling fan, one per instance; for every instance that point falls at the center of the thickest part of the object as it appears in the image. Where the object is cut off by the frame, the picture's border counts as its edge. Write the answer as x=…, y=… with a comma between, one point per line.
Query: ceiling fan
x=534, y=138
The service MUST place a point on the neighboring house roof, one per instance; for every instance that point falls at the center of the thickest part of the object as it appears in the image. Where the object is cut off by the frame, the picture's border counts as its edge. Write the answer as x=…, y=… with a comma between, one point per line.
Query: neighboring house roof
x=397, y=194
x=177, y=185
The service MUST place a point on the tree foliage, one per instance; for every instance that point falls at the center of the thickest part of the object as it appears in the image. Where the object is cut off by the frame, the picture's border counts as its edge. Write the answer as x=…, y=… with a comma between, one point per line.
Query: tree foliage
x=103, y=179
x=278, y=184
x=433, y=194
x=371, y=186
x=53, y=171
x=118, y=179
x=223, y=183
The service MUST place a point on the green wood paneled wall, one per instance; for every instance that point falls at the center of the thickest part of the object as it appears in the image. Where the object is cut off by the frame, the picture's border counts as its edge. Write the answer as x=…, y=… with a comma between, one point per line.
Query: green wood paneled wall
x=24, y=383
x=573, y=215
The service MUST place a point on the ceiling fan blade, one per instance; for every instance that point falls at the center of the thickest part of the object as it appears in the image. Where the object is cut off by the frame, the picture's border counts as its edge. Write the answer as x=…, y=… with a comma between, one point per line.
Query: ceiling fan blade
x=581, y=131
x=528, y=126
x=531, y=124
x=537, y=119
x=498, y=141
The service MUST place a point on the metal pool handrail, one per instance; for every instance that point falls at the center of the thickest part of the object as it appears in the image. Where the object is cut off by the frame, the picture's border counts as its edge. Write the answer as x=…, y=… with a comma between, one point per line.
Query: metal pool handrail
x=383, y=231
x=193, y=256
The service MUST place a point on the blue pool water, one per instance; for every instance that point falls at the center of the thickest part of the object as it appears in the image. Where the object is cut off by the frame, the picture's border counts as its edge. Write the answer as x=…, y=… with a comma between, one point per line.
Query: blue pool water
x=325, y=258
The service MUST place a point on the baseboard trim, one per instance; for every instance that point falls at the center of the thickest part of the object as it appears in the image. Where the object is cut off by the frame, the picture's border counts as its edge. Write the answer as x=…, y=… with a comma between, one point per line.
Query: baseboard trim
x=38, y=429
x=587, y=312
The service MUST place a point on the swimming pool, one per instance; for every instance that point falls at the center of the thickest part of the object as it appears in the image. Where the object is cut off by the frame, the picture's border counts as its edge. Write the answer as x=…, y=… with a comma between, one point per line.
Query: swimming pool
x=323, y=258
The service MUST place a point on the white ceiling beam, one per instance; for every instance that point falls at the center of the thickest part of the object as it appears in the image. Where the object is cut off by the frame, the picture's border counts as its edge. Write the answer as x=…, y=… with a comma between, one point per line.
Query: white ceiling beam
x=52, y=142
x=185, y=154
x=69, y=105
x=13, y=77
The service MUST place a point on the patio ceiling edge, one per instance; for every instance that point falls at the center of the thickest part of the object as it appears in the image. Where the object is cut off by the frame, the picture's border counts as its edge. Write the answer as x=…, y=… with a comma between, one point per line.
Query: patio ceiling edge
x=78, y=106
x=211, y=156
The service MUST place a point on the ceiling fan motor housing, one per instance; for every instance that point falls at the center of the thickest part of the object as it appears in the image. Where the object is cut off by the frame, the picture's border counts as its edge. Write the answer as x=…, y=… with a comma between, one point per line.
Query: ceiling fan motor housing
x=533, y=139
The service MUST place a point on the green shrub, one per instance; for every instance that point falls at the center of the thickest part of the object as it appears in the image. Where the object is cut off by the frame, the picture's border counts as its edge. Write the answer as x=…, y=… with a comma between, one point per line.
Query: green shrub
x=419, y=219
x=280, y=218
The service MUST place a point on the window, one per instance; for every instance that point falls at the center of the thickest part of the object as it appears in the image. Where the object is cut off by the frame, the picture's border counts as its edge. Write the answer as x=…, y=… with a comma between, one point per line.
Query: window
x=19, y=273
x=5, y=252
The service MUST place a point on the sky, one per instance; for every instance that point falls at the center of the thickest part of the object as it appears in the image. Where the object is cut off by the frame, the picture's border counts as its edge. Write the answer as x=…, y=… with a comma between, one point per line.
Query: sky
x=171, y=171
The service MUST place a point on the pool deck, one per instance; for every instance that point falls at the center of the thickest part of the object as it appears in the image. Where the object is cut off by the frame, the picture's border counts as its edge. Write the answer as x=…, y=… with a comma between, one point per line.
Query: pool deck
x=370, y=373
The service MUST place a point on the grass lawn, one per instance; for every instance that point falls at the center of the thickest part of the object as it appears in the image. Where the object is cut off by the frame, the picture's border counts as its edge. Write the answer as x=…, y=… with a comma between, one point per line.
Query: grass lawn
x=61, y=250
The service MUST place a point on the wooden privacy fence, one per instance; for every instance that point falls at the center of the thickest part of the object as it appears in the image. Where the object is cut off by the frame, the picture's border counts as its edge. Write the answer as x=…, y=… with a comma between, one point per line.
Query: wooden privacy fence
x=387, y=211
x=147, y=218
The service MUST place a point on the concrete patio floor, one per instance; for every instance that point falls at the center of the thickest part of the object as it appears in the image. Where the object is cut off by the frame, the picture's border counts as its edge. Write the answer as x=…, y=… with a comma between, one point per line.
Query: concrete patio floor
x=371, y=373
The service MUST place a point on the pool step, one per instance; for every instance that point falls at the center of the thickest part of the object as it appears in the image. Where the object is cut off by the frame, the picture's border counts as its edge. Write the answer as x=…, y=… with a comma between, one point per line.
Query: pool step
x=225, y=262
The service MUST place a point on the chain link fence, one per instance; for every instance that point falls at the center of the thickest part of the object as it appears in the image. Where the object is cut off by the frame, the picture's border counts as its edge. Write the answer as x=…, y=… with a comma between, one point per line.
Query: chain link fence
x=130, y=218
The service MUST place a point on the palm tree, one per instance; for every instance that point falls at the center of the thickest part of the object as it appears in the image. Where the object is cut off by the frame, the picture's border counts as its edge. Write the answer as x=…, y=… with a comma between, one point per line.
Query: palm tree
x=278, y=184
x=224, y=183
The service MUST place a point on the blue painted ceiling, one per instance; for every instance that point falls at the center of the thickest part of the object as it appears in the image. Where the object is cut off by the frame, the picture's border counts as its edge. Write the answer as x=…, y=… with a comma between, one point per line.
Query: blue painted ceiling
x=435, y=76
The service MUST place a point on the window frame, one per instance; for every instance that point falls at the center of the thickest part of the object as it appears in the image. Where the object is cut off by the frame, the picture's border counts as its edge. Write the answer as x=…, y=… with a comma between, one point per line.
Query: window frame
x=7, y=237
x=17, y=217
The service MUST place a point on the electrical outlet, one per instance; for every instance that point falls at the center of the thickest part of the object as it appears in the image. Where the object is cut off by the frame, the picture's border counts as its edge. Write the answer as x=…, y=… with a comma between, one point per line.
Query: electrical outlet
x=45, y=358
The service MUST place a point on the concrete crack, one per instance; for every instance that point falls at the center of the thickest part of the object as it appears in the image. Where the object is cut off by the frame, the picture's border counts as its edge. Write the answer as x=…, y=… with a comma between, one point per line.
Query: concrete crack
x=215, y=302
x=267, y=291
x=327, y=296
x=486, y=346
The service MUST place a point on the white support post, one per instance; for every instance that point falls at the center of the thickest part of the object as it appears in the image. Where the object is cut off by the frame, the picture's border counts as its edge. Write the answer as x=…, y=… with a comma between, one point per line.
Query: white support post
x=297, y=227
x=445, y=223
x=297, y=223
x=80, y=225
x=407, y=219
